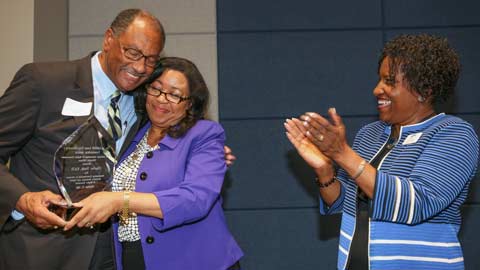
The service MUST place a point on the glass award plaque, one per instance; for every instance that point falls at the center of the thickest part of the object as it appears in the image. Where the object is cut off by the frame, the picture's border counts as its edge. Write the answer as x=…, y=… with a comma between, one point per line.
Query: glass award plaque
x=84, y=162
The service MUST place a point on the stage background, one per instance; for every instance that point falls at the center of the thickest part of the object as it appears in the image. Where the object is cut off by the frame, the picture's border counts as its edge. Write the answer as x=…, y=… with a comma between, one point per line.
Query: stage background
x=278, y=59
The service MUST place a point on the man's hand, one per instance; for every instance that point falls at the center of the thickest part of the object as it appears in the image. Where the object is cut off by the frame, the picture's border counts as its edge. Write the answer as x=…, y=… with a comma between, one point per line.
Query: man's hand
x=229, y=157
x=34, y=205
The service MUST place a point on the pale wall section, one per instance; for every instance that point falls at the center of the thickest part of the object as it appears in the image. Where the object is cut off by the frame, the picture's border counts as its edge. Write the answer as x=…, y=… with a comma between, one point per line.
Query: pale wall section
x=16, y=27
x=190, y=26
x=51, y=32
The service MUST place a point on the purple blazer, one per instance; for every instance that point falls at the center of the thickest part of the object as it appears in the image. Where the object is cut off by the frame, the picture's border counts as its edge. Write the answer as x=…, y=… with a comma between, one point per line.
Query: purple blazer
x=186, y=176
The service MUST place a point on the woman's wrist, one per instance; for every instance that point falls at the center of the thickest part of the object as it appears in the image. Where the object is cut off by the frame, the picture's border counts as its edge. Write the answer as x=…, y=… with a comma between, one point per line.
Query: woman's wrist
x=360, y=169
x=118, y=201
x=324, y=175
x=325, y=184
x=125, y=211
x=346, y=158
x=345, y=153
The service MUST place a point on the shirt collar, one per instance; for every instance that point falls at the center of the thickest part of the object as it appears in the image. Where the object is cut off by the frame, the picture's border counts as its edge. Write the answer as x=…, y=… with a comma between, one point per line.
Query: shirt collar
x=417, y=126
x=167, y=141
x=106, y=86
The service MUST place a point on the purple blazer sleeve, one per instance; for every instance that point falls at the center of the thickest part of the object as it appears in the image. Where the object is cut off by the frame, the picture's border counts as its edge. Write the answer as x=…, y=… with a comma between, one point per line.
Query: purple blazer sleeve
x=200, y=188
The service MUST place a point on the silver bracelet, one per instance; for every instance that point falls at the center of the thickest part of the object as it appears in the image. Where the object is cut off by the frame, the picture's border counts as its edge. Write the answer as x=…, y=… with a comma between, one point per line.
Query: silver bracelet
x=360, y=169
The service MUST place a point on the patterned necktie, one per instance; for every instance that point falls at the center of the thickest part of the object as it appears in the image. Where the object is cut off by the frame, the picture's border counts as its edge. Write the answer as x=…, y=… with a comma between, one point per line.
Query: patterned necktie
x=115, y=124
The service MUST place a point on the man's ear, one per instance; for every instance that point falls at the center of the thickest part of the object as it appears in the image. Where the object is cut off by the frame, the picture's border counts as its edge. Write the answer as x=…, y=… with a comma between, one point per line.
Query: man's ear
x=108, y=40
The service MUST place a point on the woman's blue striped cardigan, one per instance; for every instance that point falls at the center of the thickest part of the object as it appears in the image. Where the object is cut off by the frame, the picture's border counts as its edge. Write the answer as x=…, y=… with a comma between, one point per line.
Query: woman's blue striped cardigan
x=420, y=186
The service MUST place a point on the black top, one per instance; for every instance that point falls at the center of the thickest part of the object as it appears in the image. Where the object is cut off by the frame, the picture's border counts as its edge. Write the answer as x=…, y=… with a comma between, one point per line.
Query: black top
x=358, y=259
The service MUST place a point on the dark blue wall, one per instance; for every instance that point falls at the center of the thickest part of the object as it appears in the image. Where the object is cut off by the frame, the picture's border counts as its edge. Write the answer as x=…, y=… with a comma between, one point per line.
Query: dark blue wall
x=278, y=59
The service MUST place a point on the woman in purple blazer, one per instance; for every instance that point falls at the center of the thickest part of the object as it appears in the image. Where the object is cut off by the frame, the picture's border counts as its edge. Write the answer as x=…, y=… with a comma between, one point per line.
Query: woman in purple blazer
x=166, y=187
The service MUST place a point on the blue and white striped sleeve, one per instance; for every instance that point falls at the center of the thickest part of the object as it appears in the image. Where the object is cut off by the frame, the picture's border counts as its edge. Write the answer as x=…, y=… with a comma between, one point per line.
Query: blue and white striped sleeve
x=440, y=174
x=336, y=207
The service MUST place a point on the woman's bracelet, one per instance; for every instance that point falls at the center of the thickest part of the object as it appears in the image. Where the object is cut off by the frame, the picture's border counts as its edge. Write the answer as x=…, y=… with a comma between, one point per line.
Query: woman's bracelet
x=324, y=185
x=125, y=213
x=360, y=169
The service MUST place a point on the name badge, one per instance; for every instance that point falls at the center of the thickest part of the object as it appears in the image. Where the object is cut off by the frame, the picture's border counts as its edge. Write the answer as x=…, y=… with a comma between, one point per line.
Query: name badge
x=76, y=108
x=412, y=138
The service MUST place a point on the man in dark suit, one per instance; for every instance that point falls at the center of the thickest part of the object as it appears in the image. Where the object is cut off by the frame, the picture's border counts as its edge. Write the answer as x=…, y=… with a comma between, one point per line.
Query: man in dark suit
x=43, y=105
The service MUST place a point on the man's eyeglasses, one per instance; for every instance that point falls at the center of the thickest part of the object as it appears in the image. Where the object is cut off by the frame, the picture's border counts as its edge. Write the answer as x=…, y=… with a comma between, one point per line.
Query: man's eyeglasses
x=135, y=55
x=168, y=96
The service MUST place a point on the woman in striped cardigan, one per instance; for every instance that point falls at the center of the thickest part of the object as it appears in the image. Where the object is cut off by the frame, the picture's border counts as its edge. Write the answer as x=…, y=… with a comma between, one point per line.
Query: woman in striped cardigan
x=401, y=184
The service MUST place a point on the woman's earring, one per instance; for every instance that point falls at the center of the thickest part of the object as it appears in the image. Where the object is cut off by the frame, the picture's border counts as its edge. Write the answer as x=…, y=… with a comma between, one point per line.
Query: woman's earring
x=421, y=99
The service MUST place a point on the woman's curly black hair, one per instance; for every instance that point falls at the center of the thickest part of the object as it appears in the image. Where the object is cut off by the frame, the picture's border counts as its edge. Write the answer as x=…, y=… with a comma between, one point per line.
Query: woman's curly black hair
x=429, y=65
x=199, y=94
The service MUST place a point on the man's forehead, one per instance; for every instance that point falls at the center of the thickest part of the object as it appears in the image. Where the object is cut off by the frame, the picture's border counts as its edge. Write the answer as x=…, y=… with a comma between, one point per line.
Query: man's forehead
x=142, y=34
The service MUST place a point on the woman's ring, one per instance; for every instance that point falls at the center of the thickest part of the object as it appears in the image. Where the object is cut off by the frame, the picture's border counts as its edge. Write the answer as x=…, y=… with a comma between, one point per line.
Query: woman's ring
x=320, y=138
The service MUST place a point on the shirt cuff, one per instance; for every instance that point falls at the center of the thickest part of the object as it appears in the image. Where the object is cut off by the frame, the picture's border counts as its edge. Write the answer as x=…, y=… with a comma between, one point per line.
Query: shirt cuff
x=17, y=215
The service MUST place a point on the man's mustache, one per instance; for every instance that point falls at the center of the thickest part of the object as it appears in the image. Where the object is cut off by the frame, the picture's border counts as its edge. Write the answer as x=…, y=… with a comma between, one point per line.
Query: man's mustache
x=134, y=72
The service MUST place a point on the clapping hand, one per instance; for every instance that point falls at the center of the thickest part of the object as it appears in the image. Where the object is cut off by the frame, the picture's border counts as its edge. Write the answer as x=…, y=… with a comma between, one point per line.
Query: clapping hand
x=308, y=151
x=328, y=136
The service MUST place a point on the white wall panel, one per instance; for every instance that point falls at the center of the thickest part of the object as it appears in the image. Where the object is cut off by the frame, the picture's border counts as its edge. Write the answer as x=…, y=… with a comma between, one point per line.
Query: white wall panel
x=202, y=50
x=81, y=46
x=91, y=17
x=16, y=26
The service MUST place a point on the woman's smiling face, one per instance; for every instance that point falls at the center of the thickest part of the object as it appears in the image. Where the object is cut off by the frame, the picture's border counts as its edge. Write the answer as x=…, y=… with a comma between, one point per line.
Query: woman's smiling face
x=161, y=112
x=396, y=103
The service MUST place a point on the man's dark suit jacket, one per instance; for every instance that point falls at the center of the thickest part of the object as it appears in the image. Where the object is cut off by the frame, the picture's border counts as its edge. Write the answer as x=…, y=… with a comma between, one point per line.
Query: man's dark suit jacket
x=31, y=129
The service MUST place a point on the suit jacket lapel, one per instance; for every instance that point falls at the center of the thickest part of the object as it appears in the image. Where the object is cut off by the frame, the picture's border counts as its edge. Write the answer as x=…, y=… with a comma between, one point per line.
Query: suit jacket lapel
x=131, y=134
x=84, y=83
